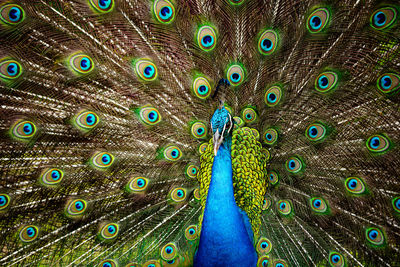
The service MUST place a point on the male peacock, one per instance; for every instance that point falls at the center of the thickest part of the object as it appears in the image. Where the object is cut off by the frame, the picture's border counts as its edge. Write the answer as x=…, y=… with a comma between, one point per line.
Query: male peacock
x=106, y=154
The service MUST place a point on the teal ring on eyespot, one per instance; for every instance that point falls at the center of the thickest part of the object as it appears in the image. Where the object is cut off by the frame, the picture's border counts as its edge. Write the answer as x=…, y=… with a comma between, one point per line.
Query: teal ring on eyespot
x=272, y=98
x=279, y=265
x=3, y=201
x=179, y=193
x=292, y=164
x=317, y=203
x=55, y=175
x=192, y=231
x=85, y=63
x=106, y=264
x=111, y=229
x=31, y=231
x=79, y=205
x=151, y=265
x=373, y=234
x=14, y=14
x=315, y=22
x=12, y=69
x=207, y=41
x=104, y=4
x=353, y=183
x=313, y=131
x=265, y=263
x=90, y=119
x=140, y=183
x=380, y=19
x=203, y=89
x=106, y=159
x=374, y=142
x=235, y=77
x=336, y=258
x=175, y=153
x=28, y=128
x=267, y=45
x=268, y=136
x=194, y=171
x=153, y=116
x=323, y=82
x=169, y=250
x=149, y=71
x=386, y=82
x=282, y=206
x=165, y=12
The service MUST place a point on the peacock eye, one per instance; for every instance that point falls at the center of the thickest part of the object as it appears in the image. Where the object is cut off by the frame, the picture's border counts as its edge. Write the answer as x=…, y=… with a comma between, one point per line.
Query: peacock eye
x=149, y=115
x=201, y=87
x=273, y=177
x=395, y=203
x=172, y=153
x=318, y=204
x=86, y=120
x=199, y=130
x=268, y=42
x=294, y=165
x=375, y=236
x=52, y=176
x=315, y=132
x=270, y=136
x=336, y=259
x=196, y=194
x=81, y=64
x=326, y=81
x=203, y=148
x=29, y=233
x=383, y=18
x=169, y=252
x=263, y=246
x=11, y=14
x=23, y=130
x=102, y=160
x=108, y=263
x=235, y=75
x=10, y=70
x=377, y=143
x=206, y=38
x=249, y=115
x=152, y=263
x=191, y=170
x=138, y=184
x=76, y=207
x=318, y=20
x=146, y=70
x=284, y=207
x=236, y=2
x=109, y=231
x=4, y=201
x=191, y=232
x=178, y=194
x=388, y=82
x=263, y=261
x=273, y=96
x=102, y=6
x=355, y=185
x=164, y=11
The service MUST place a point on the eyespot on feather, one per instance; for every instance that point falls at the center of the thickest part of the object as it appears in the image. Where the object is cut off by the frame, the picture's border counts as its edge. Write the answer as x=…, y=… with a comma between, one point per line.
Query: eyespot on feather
x=149, y=115
x=10, y=70
x=264, y=261
x=318, y=205
x=270, y=136
x=268, y=42
x=191, y=170
x=23, y=130
x=102, y=160
x=388, y=83
x=383, y=18
x=273, y=96
x=164, y=11
x=29, y=233
x=318, y=20
x=109, y=231
x=172, y=153
x=199, y=130
x=138, y=185
x=336, y=259
x=169, y=252
x=108, y=263
x=51, y=176
x=355, y=185
x=378, y=143
x=375, y=236
x=5, y=201
x=201, y=87
x=81, y=64
x=326, y=81
x=315, y=132
x=191, y=232
x=249, y=115
x=146, y=70
x=280, y=263
x=76, y=207
x=11, y=14
x=206, y=38
x=235, y=75
x=152, y=263
x=178, y=195
x=86, y=120
x=294, y=165
x=284, y=207
x=102, y=6
x=263, y=246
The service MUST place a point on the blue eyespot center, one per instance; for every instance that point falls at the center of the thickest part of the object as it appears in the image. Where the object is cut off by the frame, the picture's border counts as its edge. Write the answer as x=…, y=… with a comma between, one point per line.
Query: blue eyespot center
x=140, y=182
x=28, y=129
x=14, y=14
x=267, y=44
x=106, y=264
x=373, y=234
x=336, y=258
x=169, y=250
x=79, y=205
x=375, y=142
x=90, y=119
x=151, y=265
x=282, y=206
x=12, y=69
x=235, y=77
x=166, y=12
x=175, y=153
x=279, y=265
x=111, y=229
x=191, y=231
x=171, y=262
x=104, y=4
x=203, y=89
x=386, y=82
x=265, y=263
x=292, y=164
x=315, y=22
x=248, y=116
x=353, y=183
x=380, y=18
x=269, y=136
x=271, y=177
x=207, y=41
x=55, y=175
x=152, y=116
x=323, y=82
x=3, y=200
x=397, y=203
x=264, y=244
x=194, y=170
x=272, y=97
x=200, y=130
x=313, y=131
x=106, y=159
x=317, y=203
x=180, y=193
x=149, y=71
x=85, y=63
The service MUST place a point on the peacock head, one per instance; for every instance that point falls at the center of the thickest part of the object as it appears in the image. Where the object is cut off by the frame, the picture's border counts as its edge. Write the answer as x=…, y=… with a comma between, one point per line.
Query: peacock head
x=222, y=125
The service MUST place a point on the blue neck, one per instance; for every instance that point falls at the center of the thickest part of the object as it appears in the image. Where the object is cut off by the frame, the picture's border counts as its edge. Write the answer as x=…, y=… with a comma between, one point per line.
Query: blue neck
x=224, y=239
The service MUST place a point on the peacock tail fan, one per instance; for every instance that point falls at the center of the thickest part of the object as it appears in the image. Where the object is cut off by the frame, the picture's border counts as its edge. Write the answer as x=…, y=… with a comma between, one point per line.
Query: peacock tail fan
x=107, y=151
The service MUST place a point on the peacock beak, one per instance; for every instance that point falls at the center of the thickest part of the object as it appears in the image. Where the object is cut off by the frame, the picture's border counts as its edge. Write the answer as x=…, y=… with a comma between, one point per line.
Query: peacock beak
x=217, y=140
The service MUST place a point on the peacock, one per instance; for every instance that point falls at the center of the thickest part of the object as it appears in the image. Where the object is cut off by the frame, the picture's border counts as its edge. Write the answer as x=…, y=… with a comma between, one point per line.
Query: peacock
x=199, y=133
